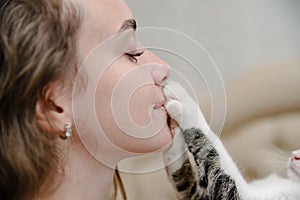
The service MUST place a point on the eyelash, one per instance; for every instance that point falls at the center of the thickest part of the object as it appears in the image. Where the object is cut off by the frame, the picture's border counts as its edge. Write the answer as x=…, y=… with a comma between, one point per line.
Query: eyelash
x=135, y=55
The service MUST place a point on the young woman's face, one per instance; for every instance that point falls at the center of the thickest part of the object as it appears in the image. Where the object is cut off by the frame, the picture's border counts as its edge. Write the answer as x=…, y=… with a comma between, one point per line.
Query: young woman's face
x=128, y=100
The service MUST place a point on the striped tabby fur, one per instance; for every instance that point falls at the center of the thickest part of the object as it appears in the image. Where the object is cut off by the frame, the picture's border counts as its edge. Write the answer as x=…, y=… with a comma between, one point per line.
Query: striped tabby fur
x=208, y=180
x=199, y=166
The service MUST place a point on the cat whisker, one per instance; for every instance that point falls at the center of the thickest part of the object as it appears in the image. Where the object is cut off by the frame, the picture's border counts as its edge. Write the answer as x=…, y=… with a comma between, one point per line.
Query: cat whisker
x=279, y=152
x=271, y=164
x=276, y=154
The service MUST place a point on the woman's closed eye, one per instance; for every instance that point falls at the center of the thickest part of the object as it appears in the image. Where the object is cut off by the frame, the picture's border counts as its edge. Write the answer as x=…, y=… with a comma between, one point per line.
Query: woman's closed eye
x=133, y=56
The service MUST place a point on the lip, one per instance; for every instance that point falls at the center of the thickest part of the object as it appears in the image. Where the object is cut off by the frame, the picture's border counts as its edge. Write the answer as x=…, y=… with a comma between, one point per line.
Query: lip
x=159, y=105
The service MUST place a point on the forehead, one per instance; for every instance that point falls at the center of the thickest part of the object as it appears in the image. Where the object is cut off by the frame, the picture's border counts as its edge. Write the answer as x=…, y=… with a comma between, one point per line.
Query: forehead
x=100, y=20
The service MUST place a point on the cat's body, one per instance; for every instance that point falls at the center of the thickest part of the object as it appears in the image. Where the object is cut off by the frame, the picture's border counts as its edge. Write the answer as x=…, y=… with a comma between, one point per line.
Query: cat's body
x=210, y=173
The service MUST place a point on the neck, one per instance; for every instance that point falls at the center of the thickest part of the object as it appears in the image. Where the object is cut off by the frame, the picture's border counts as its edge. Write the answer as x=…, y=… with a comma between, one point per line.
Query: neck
x=84, y=177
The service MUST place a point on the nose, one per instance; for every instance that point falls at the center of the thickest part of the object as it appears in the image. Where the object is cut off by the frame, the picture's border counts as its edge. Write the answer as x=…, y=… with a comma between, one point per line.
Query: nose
x=161, y=70
x=296, y=155
x=160, y=74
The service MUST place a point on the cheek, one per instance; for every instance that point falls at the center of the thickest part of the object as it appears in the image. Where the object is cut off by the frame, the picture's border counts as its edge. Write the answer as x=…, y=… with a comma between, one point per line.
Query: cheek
x=128, y=119
x=141, y=105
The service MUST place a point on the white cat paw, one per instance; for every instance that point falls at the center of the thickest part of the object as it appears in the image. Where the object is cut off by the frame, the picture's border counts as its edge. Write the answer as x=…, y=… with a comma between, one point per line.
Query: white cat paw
x=175, y=156
x=182, y=108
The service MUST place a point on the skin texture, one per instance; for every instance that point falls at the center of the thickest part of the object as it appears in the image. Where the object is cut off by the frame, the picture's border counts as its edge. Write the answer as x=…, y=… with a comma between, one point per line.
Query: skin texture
x=87, y=174
x=142, y=99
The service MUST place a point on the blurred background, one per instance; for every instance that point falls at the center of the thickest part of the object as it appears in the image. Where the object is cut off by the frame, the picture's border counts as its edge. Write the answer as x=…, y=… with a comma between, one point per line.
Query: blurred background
x=239, y=35
x=255, y=45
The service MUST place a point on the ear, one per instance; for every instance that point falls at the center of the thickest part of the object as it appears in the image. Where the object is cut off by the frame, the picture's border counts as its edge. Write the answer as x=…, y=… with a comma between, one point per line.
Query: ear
x=54, y=110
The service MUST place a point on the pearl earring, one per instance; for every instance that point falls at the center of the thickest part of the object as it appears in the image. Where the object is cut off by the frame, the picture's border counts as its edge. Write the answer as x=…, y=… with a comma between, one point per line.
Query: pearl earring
x=68, y=131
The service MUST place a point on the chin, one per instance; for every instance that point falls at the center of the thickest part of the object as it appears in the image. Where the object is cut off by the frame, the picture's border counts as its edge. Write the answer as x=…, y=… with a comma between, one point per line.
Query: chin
x=166, y=139
x=158, y=143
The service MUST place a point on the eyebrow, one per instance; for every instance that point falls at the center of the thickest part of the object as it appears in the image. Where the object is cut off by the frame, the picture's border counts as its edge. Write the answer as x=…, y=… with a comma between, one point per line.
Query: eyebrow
x=128, y=24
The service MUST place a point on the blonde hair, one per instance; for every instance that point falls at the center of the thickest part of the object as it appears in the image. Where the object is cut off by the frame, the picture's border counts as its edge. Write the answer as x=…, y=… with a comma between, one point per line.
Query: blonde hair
x=118, y=184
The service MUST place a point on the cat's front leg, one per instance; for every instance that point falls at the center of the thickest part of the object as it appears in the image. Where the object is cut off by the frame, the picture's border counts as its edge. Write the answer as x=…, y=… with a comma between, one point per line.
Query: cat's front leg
x=178, y=166
x=183, y=109
x=209, y=155
x=186, y=113
x=176, y=155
